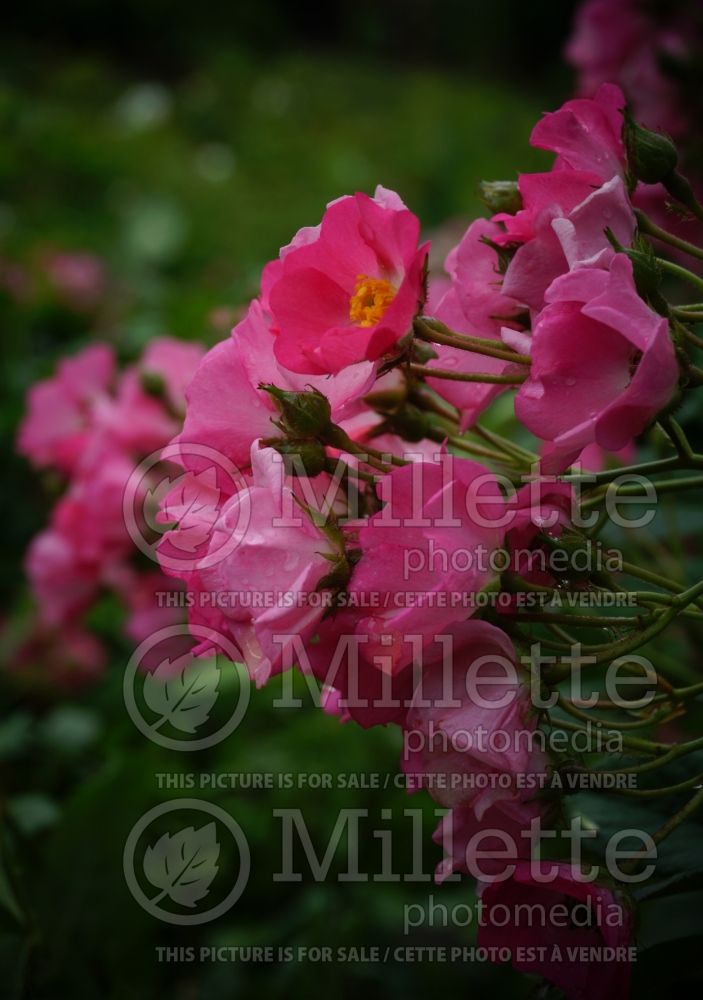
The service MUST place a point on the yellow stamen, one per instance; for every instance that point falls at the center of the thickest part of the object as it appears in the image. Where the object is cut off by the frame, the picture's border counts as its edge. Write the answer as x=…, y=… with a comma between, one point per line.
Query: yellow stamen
x=371, y=298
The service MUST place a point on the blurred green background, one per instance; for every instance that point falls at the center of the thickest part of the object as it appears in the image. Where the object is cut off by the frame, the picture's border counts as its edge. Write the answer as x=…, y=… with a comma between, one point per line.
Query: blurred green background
x=183, y=144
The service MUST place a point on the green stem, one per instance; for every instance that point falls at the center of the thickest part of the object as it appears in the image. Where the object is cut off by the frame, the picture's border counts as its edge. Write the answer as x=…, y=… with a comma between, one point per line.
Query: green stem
x=656, y=793
x=568, y=706
x=464, y=342
x=338, y=438
x=650, y=227
x=636, y=489
x=633, y=743
x=501, y=442
x=649, y=576
x=593, y=479
x=689, y=316
x=583, y=621
x=476, y=449
x=632, y=642
x=466, y=376
x=691, y=806
x=668, y=754
x=680, y=272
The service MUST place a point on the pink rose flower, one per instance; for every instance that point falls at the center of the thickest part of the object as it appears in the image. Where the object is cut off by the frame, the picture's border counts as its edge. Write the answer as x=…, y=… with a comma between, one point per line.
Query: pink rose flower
x=603, y=364
x=561, y=227
x=60, y=409
x=227, y=410
x=347, y=291
x=273, y=573
x=539, y=506
x=427, y=549
x=489, y=845
x=586, y=134
x=141, y=417
x=87, y=540
x=174, y=362
x=593, y=458
x=473, y=303
x=471, y=716
x=577, y=915
x=62, y=583
x=365, y=692
x=90, y=512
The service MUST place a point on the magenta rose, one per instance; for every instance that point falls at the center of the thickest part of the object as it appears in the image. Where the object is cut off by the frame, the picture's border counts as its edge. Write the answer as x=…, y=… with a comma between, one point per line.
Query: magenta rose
x=425, y=554
x=603, y=364
x=525, y=915
x=347, y=290
x=473, y=303
x=472, y=716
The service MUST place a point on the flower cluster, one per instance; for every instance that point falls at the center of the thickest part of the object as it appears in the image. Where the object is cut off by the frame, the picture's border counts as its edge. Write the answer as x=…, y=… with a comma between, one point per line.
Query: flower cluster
x=329, y=493
x=362, y=533
x=90, y=423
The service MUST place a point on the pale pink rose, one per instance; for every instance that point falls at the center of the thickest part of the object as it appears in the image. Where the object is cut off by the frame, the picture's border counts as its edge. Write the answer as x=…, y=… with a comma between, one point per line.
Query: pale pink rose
x=603, y=364
x=473, y=303
x=347, y=291
x=472, y=716
x=536, y=945
x=148, y=600
x=61, y=409
x=428, y=548
x=193, y=506
x=87, y=541
x=226, y=408
x=562, y=226
x=273, y=573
